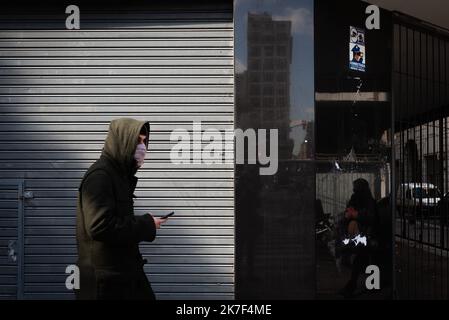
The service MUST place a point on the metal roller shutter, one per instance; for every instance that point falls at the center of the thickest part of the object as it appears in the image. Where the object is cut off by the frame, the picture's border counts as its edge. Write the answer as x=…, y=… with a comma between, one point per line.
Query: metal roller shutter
x=11, y=237
x=59, y=89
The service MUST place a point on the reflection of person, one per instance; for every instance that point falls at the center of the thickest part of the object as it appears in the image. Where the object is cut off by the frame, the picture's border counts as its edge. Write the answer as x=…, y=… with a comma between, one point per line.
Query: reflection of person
x=108, y=232
x=360, y=219
x=357, y=54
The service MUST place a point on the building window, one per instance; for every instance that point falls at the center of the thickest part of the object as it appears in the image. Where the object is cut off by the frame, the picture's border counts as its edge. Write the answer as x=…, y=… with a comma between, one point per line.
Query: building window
x=281, y=102
x=281, y=91
x=268, y=90
x=255, y=102
x=281, y=51
x=268, y=64
x=268, y=38
x=254, y=64
x=283, y=37
x=269, y=51
x=281, y=64
x=254, y=77
x=281, y=77
x=268, y=76
x=254, y=90
x=254, y=51
x=268, y=102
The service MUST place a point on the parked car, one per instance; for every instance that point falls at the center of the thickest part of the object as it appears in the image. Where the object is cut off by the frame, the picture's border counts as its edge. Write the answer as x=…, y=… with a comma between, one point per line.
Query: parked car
x=416, y=199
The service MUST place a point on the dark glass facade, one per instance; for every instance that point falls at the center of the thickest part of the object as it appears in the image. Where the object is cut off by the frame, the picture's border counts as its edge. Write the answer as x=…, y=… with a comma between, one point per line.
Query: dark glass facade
x=275, y=90
x=334, y=130
x=353, y=153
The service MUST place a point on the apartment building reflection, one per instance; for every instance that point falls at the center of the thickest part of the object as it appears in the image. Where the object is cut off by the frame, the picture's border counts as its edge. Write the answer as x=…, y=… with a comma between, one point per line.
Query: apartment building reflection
x=263, y=90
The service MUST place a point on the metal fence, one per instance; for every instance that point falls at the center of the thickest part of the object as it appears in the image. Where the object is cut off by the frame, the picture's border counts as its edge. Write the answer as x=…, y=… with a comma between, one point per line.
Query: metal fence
x=421, y=101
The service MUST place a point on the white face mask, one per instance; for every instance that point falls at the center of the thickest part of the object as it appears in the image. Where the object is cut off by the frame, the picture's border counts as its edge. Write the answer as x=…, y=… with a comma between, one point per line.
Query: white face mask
x=140, y=153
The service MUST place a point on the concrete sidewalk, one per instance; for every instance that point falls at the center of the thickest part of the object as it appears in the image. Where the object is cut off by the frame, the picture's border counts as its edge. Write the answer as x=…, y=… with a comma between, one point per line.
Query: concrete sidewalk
x=330, y=281
x=421, y=273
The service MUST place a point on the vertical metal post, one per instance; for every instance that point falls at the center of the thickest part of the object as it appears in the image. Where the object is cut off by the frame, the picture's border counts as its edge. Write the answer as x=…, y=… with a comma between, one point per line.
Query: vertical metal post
x=393, y=176
x=441, y=185
x=20, y=239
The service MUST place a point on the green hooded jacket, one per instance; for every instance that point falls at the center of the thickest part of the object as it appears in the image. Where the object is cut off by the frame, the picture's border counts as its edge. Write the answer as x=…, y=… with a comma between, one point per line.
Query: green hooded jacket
x=107, y=231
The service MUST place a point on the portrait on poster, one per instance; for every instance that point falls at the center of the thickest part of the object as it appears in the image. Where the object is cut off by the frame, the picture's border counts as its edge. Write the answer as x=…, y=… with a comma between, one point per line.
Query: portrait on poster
x=357, y=52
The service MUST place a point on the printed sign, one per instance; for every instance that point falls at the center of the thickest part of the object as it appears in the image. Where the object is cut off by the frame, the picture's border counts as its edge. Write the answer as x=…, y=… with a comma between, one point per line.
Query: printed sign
x=357, y=53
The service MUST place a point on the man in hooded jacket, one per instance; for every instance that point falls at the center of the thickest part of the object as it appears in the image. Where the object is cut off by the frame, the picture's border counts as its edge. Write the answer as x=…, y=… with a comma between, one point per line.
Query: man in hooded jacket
x=107, y=231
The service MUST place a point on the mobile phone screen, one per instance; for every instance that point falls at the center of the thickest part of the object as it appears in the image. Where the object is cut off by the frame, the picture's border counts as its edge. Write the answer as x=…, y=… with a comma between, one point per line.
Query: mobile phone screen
x=168, y=215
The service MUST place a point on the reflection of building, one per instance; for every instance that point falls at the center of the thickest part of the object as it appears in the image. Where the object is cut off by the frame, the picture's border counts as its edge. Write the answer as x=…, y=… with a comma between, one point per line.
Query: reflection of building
x=282, y=246
x=306, y=148
x=268, y=77
x=421, y=155
x=241, y=100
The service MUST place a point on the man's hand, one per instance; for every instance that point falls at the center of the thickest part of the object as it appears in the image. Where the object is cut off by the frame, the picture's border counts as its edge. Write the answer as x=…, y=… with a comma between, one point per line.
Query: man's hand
x=158, y=222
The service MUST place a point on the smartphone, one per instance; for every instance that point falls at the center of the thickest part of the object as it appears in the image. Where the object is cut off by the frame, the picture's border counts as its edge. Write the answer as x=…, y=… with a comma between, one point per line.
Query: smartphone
x=167, y=215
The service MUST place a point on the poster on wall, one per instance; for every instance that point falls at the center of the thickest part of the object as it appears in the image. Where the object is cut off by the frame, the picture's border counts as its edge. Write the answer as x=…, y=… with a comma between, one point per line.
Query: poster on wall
x=357, y=54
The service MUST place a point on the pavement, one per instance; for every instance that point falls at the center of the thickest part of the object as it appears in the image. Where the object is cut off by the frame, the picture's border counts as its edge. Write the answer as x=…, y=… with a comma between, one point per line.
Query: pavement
x=421, y=271
x=330, y=281
x=427, y=231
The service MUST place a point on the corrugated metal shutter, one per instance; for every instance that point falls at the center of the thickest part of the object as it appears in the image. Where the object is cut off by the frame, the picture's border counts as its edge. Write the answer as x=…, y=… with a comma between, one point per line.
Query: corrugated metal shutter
x=59, y=89
x=11, y=239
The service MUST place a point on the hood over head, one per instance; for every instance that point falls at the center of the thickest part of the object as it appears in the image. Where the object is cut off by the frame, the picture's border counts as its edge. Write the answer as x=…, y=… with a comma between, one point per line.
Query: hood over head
x=362, y=196
x=121, y=142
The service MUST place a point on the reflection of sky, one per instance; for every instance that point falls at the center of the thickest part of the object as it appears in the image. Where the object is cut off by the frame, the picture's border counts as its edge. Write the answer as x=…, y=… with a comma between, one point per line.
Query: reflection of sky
x=300, y=12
